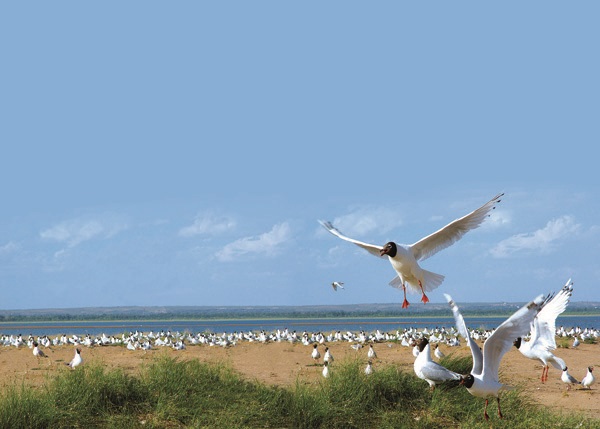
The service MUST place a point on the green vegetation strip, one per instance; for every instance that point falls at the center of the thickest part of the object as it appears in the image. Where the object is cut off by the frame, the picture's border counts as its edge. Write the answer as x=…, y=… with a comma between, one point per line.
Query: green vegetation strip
x=172, y=393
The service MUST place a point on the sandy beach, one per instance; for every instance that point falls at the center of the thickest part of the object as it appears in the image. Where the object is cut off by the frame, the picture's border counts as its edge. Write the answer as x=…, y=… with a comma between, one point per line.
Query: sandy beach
x=282, y=363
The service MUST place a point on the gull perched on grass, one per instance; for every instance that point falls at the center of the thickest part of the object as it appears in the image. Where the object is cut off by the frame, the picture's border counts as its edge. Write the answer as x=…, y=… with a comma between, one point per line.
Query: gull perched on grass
x=483, y=379
x=428, y=370
x=405, y=257
x=543, y=333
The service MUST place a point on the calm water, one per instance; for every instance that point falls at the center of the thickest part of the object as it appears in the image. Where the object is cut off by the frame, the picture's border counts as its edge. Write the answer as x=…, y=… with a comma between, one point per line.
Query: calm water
x=384, y=324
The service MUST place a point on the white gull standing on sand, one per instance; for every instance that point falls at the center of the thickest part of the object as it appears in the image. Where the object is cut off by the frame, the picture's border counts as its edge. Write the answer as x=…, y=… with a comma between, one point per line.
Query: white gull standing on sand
x=405, y=257
x=568, y=378
x=77, y=359
x=589, y=378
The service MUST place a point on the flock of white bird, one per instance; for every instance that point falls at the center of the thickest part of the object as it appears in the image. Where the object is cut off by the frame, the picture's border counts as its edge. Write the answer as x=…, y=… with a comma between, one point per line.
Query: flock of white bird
x=536, y=319
x=531, y=329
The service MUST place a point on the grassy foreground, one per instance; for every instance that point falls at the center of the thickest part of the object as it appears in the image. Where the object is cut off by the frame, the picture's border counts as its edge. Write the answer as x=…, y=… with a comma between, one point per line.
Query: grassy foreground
x=172, y=393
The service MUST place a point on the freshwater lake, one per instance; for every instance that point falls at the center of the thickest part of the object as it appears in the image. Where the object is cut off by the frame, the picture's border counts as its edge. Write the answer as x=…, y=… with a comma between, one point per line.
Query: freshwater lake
x=353, y=324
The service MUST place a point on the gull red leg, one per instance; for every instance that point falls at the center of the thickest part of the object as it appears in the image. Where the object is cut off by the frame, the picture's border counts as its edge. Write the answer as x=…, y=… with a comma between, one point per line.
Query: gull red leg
x=485, y=414
x=405, y=304
x=424, y=298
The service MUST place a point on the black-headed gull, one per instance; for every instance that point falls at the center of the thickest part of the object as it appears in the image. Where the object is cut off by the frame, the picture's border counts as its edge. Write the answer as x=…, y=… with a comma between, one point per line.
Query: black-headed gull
x=369, y=368
x=428, y=370
x=336, y=285
x=483, y=379
x=326, y=369
x=543, y=333
x=589, y=379
x=404, y=257
x=438, y=353
x=327, y=357
x=315, y=353
x=77, y=359
x=568, y=378
x=37, y=352
x=371, y=353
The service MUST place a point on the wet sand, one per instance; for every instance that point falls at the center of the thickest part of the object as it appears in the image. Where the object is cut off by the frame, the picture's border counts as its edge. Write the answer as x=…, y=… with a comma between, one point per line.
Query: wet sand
x=284, y=363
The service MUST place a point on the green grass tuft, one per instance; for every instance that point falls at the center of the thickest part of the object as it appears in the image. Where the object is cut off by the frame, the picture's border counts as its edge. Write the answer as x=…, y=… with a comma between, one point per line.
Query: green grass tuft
x=170, y=393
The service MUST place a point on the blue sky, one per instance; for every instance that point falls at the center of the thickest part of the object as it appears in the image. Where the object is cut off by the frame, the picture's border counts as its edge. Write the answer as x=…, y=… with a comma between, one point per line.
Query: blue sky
x=181, y=153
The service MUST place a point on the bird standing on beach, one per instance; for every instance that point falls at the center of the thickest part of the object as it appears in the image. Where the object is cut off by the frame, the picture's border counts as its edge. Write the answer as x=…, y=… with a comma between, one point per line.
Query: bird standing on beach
x=405, y=257
x=568, y=378
x=77, y=359
x=327, y=357
x=371, y=353
x=37, y=352
x=326, y=369
x=315, y=353
x=336, y=285
x=483, y=379
x=589, y=378
x=543, y=333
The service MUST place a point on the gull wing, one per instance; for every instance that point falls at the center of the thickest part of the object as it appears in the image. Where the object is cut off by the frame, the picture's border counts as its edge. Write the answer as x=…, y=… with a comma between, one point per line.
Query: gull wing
x=543, y=333
x=462, y=330
x=452, y=232
x=438, y=373
x=503, y=337
x=371, y=248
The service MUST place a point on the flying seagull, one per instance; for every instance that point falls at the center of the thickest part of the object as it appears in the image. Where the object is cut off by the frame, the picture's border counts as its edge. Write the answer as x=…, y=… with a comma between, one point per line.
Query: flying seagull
x=336, y=285
x=483, y=379
x=405, y=257
x=543, y=333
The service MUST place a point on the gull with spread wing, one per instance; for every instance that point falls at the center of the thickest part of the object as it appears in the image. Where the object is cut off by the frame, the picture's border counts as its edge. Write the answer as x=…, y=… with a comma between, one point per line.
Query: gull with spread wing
x=543, y=333
x=483, y=379
x=405, y=257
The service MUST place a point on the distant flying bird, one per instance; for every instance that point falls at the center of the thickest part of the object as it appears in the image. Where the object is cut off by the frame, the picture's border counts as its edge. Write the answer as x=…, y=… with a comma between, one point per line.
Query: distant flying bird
x=589, y=379
x=483, y=379
x=77, y=359
x=426, y=369
x=543, y=333
x=568, y=378
x=405, y=257
x=336, y=285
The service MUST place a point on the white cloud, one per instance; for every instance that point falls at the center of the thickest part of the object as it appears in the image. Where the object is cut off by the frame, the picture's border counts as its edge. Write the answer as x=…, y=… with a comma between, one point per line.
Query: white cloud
x=8, y=248
x=542, y=241
x=208, y=224
x=74, y=232
x=366, y=220
x=267, y=243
